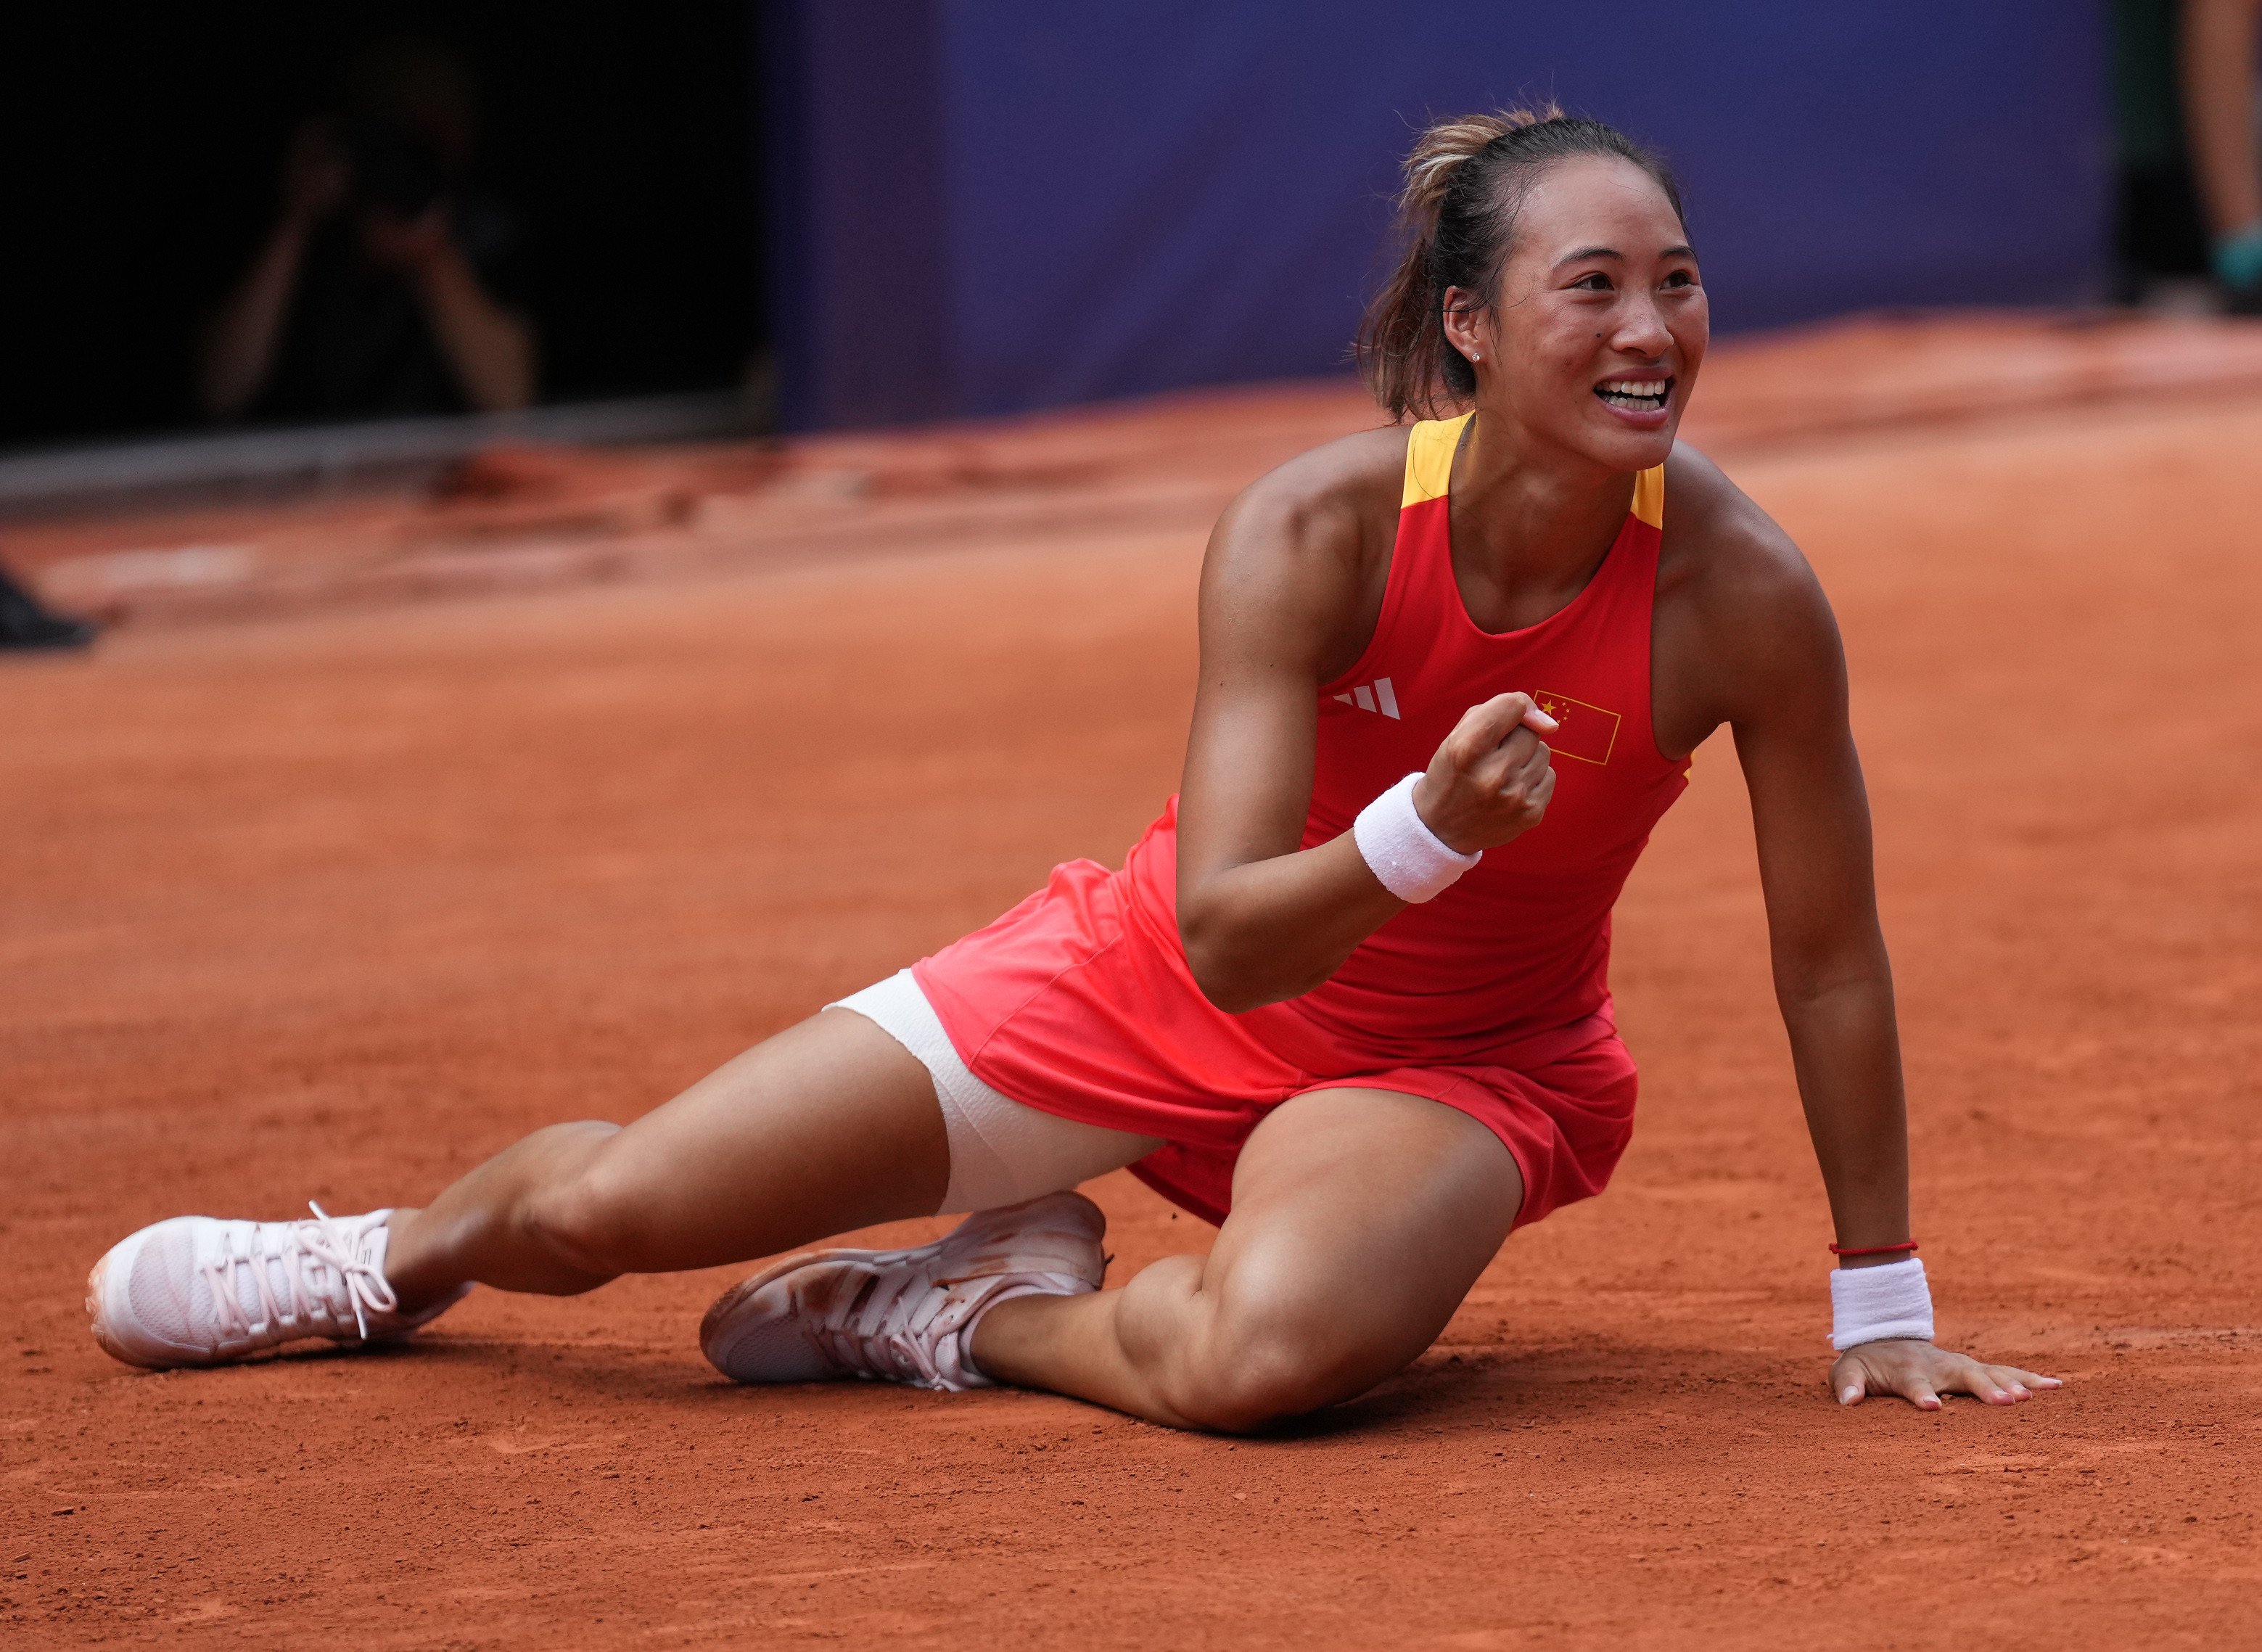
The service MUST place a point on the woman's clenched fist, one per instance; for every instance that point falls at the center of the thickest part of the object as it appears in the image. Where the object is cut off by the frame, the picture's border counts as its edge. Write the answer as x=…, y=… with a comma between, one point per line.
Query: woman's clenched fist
x=1490, y=781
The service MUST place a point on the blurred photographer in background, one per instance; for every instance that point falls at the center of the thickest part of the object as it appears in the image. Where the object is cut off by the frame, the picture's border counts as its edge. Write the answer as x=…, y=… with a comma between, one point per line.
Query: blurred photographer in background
x=385, y=286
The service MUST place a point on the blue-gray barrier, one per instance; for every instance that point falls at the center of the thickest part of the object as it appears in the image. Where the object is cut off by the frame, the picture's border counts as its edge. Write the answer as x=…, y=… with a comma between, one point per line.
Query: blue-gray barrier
x=979, y=206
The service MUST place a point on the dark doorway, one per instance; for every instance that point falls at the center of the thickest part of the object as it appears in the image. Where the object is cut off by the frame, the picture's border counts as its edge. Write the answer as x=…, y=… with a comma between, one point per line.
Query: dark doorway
x=143, y=153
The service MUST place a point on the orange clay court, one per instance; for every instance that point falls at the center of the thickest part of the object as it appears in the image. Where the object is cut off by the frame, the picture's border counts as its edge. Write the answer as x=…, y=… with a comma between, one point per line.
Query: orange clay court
x=309, y=887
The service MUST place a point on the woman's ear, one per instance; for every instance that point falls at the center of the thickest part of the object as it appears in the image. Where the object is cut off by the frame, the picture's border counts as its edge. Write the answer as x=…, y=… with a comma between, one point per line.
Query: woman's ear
x=1462, y=311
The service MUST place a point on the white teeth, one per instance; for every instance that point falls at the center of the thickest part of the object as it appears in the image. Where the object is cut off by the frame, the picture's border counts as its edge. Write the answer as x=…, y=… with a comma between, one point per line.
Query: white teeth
x=1650, y=392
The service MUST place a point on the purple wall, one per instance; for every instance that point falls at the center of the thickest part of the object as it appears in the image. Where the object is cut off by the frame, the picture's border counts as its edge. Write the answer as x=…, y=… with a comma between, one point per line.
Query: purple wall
x=984, y=205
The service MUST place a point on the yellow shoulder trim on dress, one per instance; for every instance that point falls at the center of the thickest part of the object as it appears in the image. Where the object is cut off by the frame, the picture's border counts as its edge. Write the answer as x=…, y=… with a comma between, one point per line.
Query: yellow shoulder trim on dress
x=1649, y=496
x=1429, y=448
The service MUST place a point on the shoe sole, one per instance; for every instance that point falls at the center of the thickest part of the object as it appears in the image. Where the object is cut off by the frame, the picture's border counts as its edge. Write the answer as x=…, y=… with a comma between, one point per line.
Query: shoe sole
x=729, y=1302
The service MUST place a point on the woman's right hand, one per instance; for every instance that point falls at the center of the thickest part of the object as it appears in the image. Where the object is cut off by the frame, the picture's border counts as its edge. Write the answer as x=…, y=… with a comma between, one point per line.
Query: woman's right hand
x=1490, y=781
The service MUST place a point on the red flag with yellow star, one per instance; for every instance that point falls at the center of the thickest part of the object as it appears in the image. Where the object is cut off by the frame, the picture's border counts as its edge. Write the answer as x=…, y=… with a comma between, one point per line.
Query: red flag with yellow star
x=1588, y=731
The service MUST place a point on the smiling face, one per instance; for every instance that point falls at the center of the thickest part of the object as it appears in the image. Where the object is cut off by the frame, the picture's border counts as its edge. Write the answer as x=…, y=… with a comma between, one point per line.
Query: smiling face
x=1592, y=344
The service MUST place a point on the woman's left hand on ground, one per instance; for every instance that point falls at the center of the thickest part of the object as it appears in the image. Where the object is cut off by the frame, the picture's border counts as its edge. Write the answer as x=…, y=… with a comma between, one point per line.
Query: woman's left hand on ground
x=1921, y=1373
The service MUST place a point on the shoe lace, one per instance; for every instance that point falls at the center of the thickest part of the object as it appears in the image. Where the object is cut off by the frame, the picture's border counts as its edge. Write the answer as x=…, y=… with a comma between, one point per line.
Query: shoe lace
x=310, y=1248
x=902, y=1334
x=873, y=1330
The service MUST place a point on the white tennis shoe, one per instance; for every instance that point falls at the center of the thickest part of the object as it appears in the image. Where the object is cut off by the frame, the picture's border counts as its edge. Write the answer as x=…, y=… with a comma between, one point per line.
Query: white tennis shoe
x=196, y=1290
x=903, y=1316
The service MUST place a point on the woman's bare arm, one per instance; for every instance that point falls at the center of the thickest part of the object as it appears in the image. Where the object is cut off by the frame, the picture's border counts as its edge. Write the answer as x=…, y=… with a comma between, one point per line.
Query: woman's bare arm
x=1779, y=671
x=1833, y=980
x=1280, y=595
x=1290, y=593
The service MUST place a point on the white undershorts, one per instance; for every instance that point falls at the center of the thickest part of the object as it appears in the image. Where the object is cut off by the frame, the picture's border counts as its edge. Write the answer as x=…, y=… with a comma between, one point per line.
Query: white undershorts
x=1001, y=1151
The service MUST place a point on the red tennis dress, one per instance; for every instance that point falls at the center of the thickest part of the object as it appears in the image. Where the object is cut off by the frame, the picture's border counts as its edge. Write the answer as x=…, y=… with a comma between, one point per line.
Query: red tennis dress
x=1493, y=999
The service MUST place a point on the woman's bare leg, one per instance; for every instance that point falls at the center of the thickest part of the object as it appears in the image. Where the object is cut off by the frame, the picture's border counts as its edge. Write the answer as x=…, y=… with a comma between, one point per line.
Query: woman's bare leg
x=1360, y=1219
x=829, y=1126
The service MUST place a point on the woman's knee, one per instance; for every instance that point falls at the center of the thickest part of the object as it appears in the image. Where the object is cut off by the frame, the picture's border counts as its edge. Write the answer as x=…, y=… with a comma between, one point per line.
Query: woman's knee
x=1263, y=1361
x=586, y=1211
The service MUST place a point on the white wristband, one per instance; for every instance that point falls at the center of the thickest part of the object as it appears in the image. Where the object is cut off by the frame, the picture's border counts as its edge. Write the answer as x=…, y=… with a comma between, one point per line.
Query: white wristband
x=1410, y=861
x=1868, y=1304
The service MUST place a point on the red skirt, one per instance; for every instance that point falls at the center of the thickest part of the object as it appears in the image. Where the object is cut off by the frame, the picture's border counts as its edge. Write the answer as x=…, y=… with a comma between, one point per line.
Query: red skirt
x=1079, y=1002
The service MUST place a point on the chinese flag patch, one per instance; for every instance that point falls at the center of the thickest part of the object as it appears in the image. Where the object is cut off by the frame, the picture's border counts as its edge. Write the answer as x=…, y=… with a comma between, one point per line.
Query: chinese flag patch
x=1588, y=731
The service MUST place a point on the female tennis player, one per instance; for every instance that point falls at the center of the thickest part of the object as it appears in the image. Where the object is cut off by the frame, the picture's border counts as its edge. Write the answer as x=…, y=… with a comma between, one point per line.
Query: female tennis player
x=1347, y=997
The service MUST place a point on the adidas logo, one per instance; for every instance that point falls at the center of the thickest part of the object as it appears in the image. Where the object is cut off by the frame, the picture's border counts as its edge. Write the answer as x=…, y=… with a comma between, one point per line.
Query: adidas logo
x=1373, y=696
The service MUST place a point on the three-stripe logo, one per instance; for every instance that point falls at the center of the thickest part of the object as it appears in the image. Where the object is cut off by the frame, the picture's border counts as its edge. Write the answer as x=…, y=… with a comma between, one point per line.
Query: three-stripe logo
x=1373, y=696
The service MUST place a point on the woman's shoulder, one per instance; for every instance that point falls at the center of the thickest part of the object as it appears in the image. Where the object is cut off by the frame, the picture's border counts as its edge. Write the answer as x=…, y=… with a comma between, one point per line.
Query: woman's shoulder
x=1304, y=549
x=1743, y=633
x=1337, y=502
x=1363, y=471
x=1720, y=547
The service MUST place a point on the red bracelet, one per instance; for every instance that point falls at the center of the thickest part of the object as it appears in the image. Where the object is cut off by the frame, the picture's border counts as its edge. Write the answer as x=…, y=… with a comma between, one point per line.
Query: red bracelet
x=1873, y=1250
